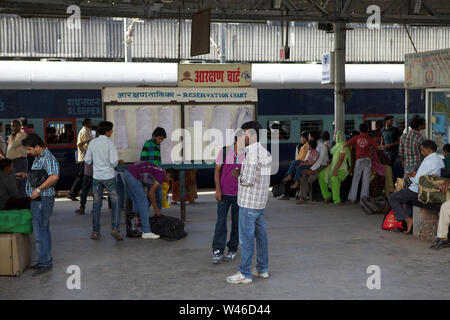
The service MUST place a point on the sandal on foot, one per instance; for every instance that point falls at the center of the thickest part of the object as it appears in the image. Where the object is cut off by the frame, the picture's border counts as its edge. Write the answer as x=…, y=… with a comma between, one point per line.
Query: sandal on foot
x=95, y=236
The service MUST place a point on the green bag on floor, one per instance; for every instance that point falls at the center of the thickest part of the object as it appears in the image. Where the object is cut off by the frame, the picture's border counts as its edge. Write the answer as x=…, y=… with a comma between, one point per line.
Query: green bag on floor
x=18, y=221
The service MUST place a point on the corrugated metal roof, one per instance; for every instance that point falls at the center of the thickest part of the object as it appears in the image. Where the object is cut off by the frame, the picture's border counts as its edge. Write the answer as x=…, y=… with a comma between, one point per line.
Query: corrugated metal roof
x=158, y=40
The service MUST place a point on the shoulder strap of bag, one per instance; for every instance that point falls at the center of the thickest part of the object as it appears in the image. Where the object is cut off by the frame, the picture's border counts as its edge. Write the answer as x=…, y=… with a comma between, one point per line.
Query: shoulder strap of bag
x=224, y=158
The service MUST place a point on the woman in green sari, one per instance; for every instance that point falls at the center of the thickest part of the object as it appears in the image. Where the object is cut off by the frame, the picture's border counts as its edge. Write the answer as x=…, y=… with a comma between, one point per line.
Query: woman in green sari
x=336, y=172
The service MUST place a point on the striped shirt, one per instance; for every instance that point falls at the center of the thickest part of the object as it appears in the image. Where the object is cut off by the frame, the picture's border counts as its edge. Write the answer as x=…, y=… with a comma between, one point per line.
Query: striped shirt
x=253, y=188
x=48, y=162
x=410, y=148
x=151, y=152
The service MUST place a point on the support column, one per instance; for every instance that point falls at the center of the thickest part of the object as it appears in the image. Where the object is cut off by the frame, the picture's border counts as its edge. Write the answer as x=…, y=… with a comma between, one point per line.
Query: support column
x=406, y=109
x=222, y=42
x=126, y=42
x=339, y=76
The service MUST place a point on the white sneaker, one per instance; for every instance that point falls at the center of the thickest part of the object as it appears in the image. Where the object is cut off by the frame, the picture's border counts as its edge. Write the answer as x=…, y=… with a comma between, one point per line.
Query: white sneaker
x=238, y=278
x=263, y=275
x=149, y=235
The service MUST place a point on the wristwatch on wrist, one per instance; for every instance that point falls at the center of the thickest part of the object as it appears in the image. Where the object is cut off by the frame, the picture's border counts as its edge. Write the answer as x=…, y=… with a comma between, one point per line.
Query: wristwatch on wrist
x=39, y=191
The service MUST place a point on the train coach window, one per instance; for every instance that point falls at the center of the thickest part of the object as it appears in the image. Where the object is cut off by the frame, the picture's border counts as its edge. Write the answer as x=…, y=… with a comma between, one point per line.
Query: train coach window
x=283, y=126
x=309, y=125
x=59, y=133
x=350, y=125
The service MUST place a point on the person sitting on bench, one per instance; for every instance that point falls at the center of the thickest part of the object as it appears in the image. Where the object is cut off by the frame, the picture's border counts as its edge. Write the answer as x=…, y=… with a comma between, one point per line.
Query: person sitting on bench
x=444, y=222
x=10, y=198
x=311, y=158
x=400, y=201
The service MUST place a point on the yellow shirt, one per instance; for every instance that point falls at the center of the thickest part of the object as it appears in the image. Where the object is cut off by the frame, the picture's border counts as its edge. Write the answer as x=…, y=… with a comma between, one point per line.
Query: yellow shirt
x=15, y=148
x=84, y=135
x=303, y=152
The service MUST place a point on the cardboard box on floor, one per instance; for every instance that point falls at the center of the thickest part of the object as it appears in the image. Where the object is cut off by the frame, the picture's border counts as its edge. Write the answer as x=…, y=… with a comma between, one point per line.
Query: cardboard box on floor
x=15, y=253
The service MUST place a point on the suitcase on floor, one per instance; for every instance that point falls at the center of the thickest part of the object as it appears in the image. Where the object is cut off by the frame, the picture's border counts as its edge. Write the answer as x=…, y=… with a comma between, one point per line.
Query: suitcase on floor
x=15, y=253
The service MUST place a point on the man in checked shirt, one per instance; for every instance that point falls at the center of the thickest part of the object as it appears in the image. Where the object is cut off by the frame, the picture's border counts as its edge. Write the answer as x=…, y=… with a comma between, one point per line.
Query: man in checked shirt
x=410, y=142
x=253, y=189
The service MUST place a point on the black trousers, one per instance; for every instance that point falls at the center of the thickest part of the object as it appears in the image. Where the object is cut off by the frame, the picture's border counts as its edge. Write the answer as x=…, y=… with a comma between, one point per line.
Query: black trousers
x=78, y=183
x=400, y=203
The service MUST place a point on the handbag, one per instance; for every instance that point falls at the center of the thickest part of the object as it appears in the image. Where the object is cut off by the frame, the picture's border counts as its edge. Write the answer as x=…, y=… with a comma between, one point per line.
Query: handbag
x=391, y=224
x=37, y=177
x=429, y=191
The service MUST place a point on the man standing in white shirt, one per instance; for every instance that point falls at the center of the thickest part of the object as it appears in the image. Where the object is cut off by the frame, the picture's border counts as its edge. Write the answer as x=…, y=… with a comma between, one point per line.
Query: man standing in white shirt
x=312, y=173
x=102, y=153
x=400, y=201
x=253, y=189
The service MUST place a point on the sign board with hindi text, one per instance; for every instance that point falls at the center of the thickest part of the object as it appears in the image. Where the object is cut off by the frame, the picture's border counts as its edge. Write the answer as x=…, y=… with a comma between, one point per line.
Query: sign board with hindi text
x=206, y=118
x=173, y=94
x=427, y=69
x=327, y=68
x=214, y=75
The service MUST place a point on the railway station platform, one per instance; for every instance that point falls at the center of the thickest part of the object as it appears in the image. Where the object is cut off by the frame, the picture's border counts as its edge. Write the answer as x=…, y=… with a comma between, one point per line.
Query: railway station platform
x=316, y=251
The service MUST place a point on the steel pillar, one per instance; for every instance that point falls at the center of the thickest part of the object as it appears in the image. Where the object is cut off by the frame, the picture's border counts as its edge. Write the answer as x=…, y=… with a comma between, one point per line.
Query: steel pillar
x=339, y=76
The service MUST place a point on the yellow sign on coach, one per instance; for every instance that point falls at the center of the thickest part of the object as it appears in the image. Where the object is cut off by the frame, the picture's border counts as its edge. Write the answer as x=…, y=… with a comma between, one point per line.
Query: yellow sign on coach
x=214, y=75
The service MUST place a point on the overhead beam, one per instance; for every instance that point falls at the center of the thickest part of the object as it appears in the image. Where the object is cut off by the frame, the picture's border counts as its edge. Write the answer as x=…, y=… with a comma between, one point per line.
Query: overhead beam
x=346, y=9
x=322, y=10
x=440, y=18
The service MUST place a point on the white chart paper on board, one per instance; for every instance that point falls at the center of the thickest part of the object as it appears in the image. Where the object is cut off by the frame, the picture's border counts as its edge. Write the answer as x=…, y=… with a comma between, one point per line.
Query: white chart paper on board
x=244, y=115
x=120, y=135
x=165, y=120
x=196, y=115
x=221, y=120
x=144, y=127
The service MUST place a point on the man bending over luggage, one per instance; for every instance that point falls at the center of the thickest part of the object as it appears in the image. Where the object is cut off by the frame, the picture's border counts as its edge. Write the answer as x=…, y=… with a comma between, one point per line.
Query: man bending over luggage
x=400, y=201
x=142, y=180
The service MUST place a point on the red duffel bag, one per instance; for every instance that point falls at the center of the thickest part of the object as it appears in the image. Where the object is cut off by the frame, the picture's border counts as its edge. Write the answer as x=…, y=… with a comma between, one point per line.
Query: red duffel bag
x=390, y=223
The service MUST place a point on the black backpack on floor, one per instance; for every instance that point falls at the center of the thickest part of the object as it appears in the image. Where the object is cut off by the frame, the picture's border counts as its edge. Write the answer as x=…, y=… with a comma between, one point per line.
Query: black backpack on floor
x=169, y=228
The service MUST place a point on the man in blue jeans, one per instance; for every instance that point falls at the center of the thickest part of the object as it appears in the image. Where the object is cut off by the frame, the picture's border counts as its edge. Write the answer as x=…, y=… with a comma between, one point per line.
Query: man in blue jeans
x=142, y=180
x=102, y=153
x=42, y=199
x=228, y=159
x=253, y=189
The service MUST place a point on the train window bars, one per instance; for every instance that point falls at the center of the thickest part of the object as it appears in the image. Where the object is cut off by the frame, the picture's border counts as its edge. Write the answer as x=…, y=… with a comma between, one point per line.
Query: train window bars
x=309, y=125
x=284, y=127
x=59, y=133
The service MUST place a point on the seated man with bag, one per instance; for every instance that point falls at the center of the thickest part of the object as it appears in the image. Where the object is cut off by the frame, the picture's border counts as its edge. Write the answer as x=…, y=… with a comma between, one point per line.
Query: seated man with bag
x=10, y=198
x=400, y=201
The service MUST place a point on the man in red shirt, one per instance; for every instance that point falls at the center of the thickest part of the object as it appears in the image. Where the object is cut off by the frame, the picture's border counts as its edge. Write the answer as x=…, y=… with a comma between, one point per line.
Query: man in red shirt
x=365, y=146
